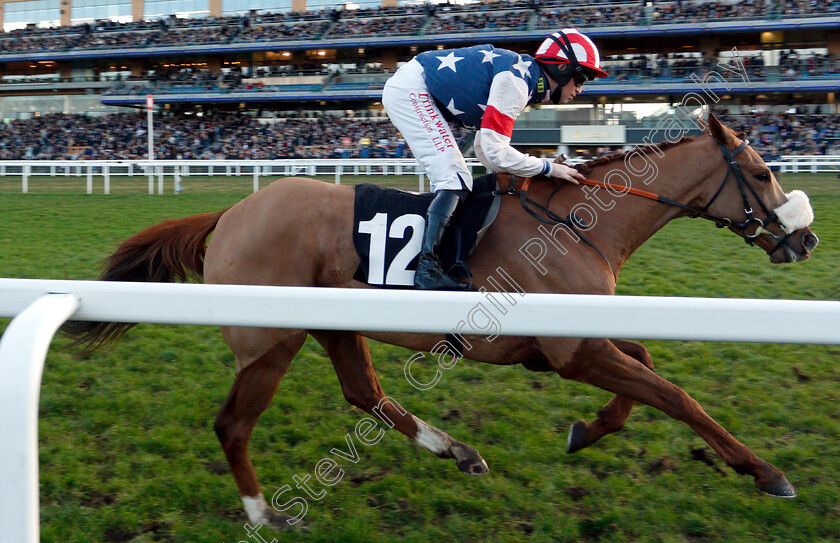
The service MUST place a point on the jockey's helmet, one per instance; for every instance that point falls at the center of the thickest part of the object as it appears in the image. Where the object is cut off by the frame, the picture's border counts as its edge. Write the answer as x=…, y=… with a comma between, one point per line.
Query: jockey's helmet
x=568, y=46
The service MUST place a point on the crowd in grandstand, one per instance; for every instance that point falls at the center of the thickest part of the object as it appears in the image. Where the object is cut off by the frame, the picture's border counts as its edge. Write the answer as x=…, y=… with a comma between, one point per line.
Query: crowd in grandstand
x=397, y=21
x=666, y=66
x=220, y=136
x=498, y=21
x=232, y=136
x=380, y=26
x=776, y=134
x=123, y=136
x=194, y=77
x=678, y=11
x=794, y=65
x=282, y=31
x=791, y=65
x=585, y=16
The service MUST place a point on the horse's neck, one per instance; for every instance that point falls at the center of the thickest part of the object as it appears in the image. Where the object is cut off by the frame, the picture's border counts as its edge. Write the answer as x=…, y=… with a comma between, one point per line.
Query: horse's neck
x=678, y=175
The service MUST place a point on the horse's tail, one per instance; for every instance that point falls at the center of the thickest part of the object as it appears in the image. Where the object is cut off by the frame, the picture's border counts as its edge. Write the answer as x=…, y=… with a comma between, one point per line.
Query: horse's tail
x=170, y=251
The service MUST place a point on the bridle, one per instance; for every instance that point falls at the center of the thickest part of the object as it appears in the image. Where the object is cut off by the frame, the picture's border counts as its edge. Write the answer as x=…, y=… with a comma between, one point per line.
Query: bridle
x=751, y=218
x=544, y=214
x=721, y=222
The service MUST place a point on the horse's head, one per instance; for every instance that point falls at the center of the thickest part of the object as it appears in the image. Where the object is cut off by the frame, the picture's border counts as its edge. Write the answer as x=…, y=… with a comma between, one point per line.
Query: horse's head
x=753, y=205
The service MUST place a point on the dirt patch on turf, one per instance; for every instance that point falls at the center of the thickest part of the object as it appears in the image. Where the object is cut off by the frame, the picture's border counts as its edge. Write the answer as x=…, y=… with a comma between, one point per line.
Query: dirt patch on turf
x=702, y=455
x=217, y=467
x=664, y=464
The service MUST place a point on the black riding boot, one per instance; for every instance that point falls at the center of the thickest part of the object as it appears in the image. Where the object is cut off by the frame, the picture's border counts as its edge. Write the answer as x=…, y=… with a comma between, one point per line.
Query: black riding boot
x=430, y=275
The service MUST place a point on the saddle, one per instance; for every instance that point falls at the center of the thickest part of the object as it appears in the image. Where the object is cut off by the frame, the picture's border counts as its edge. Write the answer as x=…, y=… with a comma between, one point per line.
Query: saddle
x=388, y=227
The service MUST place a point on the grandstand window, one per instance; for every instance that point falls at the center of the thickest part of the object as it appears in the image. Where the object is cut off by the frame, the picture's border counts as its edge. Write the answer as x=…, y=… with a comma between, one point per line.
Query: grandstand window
x=155, y=9
x=90, y=10
x=232, y=7
x=414, y=2
x=339, y=5
x=44, y=13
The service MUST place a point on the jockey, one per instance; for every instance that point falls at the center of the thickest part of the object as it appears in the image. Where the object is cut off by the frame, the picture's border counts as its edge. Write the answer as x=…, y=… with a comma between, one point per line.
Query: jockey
x=485, y=89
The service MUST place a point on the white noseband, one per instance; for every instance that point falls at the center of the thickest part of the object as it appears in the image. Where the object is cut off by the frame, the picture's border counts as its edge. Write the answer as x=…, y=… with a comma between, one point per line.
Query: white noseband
x=796, y=213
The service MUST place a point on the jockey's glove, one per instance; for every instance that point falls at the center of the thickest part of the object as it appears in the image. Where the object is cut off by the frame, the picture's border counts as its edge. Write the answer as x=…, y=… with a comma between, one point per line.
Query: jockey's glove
x=561, y=171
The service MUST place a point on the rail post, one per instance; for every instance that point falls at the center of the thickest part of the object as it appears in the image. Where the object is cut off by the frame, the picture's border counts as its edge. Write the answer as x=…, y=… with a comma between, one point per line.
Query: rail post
x=23, y=350
x=25, y=178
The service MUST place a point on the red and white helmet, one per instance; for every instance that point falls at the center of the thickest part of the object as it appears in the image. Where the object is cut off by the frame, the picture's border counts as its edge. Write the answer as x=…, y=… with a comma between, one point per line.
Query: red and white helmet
x=554, y=50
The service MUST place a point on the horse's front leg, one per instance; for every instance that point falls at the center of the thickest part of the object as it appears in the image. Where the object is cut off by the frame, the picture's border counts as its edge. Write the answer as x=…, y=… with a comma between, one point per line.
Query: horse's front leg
x=612, y=417
x=600, y=363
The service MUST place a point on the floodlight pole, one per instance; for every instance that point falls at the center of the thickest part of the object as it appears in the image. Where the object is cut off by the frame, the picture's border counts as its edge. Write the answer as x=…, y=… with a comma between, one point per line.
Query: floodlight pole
x=150, y=106
x=150, y=133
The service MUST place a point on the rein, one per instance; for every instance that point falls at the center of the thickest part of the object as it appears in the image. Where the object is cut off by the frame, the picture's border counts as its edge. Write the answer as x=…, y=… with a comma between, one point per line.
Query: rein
x=575, y=224
x=572, y=222
x=719, y=221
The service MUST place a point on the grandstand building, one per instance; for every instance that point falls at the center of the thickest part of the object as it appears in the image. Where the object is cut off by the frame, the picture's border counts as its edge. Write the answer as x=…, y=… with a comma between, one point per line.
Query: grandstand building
x=272, y=61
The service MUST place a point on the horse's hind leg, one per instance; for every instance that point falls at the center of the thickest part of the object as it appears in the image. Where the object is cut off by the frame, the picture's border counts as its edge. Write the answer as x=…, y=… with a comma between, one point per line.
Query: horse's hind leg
x=612, y=417
x=350, y=357
x=250, y=394
x=599, y=362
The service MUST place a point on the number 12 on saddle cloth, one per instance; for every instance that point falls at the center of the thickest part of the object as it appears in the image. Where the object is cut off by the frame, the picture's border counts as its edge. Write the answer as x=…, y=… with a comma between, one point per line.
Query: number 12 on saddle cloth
x=388, y=226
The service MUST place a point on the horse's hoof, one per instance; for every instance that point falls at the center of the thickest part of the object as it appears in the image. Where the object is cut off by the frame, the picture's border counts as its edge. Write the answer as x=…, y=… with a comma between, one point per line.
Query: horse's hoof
x=473, y=464
x=577, y=437
x=778, y=488
x=284, y=523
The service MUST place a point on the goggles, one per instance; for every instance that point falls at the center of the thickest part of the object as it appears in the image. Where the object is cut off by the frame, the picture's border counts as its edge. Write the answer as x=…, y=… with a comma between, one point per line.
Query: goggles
x=581, y=77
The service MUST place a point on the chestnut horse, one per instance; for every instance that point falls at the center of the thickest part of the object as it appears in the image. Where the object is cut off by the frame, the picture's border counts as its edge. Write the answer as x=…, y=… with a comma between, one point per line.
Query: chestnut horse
x=298, y=232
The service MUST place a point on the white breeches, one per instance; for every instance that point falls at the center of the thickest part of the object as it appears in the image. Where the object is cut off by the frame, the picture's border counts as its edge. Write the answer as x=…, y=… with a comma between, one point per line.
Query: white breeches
x=413, y=111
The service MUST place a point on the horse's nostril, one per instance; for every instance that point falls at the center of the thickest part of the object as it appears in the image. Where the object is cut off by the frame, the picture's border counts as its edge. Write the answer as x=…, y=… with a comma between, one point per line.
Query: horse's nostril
x=809, y=241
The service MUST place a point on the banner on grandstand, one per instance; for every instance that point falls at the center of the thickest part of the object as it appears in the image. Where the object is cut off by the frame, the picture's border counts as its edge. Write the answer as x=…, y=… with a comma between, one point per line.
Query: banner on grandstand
x=594, y=134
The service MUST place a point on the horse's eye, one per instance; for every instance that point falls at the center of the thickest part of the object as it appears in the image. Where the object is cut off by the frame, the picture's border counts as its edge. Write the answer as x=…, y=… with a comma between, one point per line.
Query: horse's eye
x=764, y=177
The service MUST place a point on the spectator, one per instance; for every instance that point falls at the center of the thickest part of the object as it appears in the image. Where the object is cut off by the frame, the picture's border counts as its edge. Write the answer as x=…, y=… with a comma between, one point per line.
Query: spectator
x=221, y=136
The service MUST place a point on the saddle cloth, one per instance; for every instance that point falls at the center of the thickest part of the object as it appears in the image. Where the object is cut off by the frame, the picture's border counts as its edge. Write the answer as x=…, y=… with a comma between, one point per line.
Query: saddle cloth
x=388, y=227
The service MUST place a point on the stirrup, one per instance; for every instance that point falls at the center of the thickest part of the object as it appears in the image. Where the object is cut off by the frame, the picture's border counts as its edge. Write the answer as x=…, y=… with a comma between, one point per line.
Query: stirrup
x=430, y=276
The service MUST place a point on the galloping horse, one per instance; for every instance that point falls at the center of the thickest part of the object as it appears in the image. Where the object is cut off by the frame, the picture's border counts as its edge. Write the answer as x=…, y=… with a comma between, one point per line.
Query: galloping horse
x=299, y=232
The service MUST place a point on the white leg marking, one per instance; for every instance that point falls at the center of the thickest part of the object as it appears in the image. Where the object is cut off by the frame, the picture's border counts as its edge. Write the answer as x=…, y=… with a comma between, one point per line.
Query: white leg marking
x=431, y=438
x=256, y=508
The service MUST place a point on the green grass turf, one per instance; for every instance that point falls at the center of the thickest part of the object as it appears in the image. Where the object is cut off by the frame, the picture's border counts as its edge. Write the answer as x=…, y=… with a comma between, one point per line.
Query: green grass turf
x=128, y=453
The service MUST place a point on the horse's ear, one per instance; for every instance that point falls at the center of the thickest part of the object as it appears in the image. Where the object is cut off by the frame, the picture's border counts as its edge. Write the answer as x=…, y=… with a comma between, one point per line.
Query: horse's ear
x=720, y=132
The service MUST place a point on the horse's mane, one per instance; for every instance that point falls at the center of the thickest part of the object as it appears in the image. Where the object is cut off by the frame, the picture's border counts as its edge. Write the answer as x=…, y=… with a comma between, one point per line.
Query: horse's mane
x=589, y=165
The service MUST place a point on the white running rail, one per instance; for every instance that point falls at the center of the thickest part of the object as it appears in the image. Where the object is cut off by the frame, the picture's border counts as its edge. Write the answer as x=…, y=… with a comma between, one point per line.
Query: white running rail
x=177, y=172
x=41, y=306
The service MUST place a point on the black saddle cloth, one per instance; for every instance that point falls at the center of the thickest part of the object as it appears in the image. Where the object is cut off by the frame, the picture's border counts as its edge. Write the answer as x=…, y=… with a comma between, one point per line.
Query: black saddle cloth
x=388, y=227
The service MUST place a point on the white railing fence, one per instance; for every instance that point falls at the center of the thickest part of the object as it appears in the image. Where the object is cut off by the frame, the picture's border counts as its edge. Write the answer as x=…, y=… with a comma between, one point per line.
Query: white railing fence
x=807, y=163
x=172, y=172
x=39, y=307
